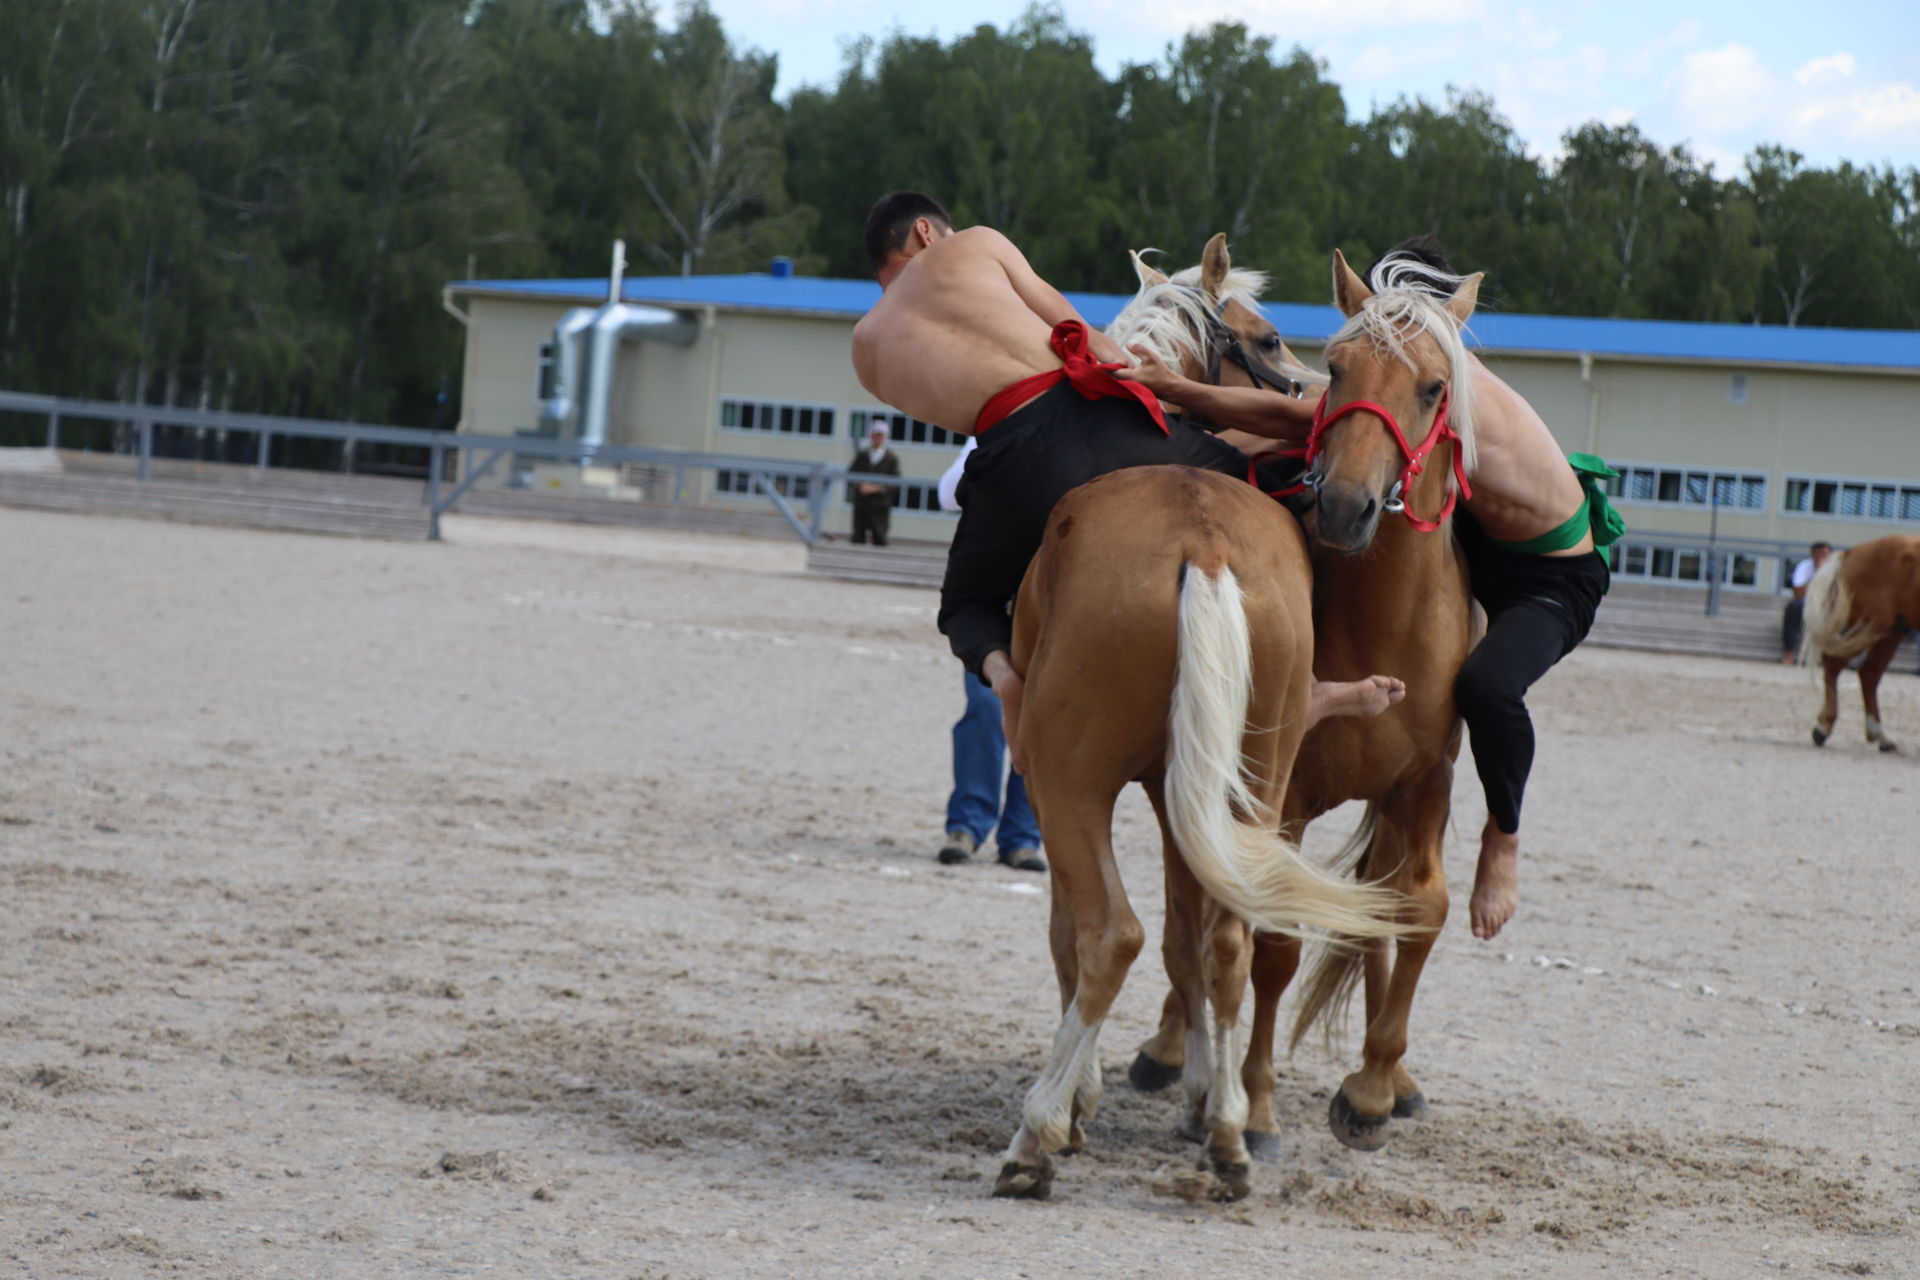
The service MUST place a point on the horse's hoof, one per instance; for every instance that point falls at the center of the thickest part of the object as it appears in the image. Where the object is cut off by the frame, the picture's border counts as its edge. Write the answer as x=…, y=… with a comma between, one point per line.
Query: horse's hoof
x=1193, y=1125
x=1411, y=1107
x=1264, y=1147
x=1232, y=1181
x=1889, y=748
x=1149, y=1076
x=1024, y=1182
x=1819, y=738
x=1362, y=1133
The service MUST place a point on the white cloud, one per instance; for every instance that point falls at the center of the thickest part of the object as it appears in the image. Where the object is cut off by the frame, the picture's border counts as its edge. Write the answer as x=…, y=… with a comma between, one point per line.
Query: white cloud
x=1839, y=65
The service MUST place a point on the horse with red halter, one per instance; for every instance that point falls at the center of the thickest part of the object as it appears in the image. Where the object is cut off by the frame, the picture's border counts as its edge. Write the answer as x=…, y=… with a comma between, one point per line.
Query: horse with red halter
x=1390, y=596
x=1862, y=601
x=1165, y=634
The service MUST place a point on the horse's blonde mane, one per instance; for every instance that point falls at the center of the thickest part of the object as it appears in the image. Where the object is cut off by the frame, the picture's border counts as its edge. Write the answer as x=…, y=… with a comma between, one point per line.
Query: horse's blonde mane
x=1402, y=308
x=1169, y=318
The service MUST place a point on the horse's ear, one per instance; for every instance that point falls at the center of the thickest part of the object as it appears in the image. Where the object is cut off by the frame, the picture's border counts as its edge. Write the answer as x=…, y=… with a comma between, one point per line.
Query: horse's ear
x=1350, y=292
x=1461, y=304
x=1149, y=276
x=1214, y=265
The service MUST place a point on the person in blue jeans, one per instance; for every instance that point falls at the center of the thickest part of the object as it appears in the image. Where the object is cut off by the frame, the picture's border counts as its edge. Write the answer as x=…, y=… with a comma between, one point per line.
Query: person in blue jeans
x=976, y=808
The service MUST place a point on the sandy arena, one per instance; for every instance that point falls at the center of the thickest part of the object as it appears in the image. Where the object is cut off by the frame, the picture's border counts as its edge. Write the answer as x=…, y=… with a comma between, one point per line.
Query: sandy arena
x=560, y=902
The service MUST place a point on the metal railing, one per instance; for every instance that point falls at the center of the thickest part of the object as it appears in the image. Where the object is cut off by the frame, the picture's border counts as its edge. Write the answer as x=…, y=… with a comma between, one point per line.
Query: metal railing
x=479, y=454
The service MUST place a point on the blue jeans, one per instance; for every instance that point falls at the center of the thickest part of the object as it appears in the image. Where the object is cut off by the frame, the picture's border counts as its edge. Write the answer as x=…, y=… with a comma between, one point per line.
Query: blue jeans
x=979, y=753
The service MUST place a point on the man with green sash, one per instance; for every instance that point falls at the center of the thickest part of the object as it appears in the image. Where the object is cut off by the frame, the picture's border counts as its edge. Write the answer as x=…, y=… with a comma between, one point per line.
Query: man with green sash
x=1533, y=534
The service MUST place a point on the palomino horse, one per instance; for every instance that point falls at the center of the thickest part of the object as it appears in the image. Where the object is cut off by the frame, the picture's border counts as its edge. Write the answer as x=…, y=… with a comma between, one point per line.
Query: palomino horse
x=1165, y=633
x=1863, y=600
x=1390, y=596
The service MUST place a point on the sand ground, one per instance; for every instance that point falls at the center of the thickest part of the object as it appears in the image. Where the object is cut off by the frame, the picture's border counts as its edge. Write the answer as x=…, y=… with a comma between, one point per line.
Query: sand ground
x=560, y=902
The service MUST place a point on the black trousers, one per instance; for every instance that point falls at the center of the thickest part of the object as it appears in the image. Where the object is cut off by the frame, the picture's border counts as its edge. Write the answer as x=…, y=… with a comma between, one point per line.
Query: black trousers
x=1538, y=609
x=1025, y=464
x=1792, y=625
x=871, y=518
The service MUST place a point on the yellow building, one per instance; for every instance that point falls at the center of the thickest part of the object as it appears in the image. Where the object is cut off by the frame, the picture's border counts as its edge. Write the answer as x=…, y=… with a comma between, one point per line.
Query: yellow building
x=1763, y=438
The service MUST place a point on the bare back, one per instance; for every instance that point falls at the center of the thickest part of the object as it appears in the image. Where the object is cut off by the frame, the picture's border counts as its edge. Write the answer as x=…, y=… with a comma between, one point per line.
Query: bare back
x=1522, y=485
x=963, y=319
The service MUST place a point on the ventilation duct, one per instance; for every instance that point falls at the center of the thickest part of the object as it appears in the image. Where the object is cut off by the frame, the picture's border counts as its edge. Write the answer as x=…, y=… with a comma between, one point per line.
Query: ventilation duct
x=586, y=348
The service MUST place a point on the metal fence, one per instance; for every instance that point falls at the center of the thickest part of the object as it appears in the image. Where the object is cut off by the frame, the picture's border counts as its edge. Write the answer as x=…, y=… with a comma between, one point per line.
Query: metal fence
x=476, y=455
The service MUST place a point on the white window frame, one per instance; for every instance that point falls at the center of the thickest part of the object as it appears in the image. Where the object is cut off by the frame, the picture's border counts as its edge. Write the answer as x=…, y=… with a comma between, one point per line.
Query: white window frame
x=1709, y=479
x=817, y=431
x=901, y=428
x=1903, y=495
x=928, y=491
x=1637, y=560
x=737, y=483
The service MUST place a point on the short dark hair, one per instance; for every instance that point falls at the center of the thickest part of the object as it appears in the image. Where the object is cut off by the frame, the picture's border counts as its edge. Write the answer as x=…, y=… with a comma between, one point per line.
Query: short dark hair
x=1423, y=248
x=1821, y=546
x=893, y=217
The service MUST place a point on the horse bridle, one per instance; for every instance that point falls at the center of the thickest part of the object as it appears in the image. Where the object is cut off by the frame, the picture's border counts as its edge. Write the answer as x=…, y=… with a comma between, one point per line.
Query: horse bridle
x=1223, y=344
x=1396, y=501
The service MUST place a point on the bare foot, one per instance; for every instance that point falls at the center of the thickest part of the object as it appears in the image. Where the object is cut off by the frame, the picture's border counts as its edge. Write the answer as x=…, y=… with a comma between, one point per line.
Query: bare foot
x=1496, y=883
x=1368, y=697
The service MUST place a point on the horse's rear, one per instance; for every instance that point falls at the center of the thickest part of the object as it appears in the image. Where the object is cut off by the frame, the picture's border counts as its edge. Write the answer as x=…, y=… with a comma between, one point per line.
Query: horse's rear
x=1862, y=602
x=1165, y=633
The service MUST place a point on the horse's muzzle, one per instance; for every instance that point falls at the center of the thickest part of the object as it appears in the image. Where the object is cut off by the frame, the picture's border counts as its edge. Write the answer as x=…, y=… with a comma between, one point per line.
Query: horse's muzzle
x=1346, y=516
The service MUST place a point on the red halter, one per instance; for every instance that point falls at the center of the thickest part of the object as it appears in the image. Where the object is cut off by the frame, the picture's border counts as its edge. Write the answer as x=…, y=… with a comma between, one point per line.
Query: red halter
x=1416, y=458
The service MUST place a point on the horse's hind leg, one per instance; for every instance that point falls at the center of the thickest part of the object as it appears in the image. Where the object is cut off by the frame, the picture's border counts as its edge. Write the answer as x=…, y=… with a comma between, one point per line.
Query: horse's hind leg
x=1162, y=1057
x=1830, y=669
x=1871, y=669
x=1105, y=936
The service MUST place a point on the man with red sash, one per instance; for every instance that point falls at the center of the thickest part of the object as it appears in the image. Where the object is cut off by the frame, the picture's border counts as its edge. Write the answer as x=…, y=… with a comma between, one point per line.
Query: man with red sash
x=967, y=336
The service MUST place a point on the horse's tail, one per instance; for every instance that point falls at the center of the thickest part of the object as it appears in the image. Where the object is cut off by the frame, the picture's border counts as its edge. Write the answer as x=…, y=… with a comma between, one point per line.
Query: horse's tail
x=1830, y=628
x=1336, y=970
x=1230, y=840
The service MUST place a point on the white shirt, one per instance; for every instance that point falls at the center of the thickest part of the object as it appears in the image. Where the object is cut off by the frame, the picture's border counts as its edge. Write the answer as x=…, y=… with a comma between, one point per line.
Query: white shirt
x=950, y=479
x=1803, y=573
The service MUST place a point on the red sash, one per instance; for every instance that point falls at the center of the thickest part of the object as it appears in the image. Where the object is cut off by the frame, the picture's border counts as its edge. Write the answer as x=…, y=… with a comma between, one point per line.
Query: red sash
x=1089, y=377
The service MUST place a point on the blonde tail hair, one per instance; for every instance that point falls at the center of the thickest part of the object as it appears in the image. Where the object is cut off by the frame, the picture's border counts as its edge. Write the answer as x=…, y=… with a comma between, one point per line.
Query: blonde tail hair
x=1231, y=841
x=1829, y=626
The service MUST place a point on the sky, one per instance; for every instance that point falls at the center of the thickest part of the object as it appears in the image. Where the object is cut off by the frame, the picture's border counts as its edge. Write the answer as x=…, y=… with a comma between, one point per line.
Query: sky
x=1832, y=79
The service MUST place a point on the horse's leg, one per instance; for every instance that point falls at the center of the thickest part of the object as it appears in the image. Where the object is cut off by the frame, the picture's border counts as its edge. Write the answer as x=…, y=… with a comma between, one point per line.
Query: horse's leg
x=1405, y=853
x=1276, y=958
x=1871, y=669
x=1163, y=1055
x=1104, y=937
x=1830, y=669
x=1228, y=956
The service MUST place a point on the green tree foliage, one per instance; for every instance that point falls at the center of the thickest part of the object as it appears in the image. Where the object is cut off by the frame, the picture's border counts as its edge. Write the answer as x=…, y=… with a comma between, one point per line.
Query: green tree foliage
x=254, y=204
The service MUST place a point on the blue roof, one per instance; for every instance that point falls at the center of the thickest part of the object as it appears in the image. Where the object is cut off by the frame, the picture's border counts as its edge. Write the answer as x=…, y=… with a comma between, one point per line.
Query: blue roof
x=1893, y=349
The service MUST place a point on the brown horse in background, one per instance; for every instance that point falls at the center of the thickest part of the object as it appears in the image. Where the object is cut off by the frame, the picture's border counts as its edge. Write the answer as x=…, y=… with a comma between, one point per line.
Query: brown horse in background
x=1863, y=601
x=1165, y=633
x=1392, y=598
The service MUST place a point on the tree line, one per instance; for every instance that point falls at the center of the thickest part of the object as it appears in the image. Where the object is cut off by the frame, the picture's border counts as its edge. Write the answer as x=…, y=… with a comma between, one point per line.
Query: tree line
x=254, y=204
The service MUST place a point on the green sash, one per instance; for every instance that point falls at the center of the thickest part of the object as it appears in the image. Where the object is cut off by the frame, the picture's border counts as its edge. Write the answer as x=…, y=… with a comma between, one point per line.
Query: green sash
x=1596, y=514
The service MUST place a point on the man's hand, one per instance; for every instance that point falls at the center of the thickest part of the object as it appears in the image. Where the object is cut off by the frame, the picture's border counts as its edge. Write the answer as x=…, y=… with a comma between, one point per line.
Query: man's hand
x=1007, y=686
x=1154, y=374
x=866, y=489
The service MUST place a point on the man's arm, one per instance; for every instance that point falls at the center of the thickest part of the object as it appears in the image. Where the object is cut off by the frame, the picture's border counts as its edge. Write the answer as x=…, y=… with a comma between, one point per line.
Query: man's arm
x=1042, y=298
x=1251, y=409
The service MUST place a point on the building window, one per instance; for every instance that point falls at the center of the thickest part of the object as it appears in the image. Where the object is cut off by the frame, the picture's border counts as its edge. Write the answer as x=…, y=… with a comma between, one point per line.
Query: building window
x=741, y=483
x=774, y=417
x=543, y=377
x=1851, y=499
x=1737, y=388
x=912, y=495
x=1682, y=564
x=901, y=429
x=1680, y=487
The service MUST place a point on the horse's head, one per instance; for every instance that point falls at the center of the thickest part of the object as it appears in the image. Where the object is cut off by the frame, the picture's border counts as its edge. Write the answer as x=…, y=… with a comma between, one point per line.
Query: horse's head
x=1206, y=322
x=1398, y=380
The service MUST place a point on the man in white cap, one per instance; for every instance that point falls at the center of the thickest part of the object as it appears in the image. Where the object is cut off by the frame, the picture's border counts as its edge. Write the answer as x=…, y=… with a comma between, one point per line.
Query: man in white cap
x=873, y=503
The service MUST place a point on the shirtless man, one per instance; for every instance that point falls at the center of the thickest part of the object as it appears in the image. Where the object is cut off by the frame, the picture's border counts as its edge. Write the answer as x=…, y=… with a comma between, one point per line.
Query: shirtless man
x=968, y=337
x=1528, y=536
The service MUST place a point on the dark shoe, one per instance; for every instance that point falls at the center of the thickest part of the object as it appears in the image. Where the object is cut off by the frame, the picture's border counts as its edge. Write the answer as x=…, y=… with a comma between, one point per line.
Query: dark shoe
x=958, y=848
x=1023, y=859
